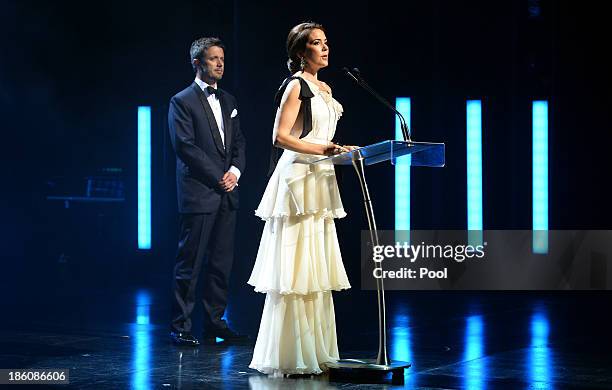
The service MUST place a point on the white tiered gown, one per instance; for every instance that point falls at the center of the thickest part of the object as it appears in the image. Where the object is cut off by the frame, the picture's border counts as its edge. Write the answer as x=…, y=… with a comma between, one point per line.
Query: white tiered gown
x=299, y=263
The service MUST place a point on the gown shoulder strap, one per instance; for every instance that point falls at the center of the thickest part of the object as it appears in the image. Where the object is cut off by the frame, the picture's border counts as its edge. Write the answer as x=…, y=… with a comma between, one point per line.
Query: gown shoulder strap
x=306, y=108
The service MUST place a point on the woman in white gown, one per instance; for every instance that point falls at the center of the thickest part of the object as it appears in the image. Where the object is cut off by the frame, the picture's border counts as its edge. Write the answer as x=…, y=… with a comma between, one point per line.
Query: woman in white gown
x=299, y=263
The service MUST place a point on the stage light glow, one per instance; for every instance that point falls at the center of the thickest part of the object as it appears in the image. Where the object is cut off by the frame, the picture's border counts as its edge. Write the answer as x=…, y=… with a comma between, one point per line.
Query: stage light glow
x=401, y=343
x=227, y=362
x=402, y=172
x=402, y=339
x=141, y=363
x=540, y=176
x=143, y=305
x=474, y=354
x=539, y=355
x=474, y=164
x=144, y=177
x=474, y=170
x=141, y=339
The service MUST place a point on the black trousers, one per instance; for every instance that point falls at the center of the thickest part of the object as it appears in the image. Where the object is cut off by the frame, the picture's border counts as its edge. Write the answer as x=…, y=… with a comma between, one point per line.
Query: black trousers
x=210, y=237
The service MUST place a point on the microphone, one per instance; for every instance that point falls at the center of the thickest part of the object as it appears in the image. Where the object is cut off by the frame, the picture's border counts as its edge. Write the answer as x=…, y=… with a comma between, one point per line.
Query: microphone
x=356, y=76
x=349, y=74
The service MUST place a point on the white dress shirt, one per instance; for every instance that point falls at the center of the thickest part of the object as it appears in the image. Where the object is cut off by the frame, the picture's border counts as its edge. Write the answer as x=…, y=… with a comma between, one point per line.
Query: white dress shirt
x=215, y=105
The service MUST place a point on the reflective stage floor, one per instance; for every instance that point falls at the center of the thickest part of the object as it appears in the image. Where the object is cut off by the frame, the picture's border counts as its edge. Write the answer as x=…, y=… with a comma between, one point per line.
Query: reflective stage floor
x=117, y=337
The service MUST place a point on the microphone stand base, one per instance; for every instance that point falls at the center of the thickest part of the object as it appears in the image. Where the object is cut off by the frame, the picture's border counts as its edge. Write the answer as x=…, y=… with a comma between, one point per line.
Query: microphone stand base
x=366, y=371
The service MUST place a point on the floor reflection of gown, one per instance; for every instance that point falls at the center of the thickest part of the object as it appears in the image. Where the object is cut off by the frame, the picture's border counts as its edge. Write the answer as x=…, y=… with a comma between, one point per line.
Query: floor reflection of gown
x=299, y=263
x=260, y=382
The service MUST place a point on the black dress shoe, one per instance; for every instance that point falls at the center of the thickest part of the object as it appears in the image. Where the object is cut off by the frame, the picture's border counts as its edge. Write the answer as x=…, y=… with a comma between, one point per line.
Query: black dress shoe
x=228, y=336
x=184, y=339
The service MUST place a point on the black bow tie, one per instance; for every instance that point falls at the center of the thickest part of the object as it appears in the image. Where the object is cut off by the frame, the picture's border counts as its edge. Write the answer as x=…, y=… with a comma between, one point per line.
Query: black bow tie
x=213, y=91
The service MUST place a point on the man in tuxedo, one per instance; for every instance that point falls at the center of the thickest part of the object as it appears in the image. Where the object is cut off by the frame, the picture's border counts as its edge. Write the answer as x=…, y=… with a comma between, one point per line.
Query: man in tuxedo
x=210, y=157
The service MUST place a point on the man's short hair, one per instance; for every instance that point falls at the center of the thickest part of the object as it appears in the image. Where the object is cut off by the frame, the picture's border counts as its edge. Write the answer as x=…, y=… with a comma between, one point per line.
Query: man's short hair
x=199, y=47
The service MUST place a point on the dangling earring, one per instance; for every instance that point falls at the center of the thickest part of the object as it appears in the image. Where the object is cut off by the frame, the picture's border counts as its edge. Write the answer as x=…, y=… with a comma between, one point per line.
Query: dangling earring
x=302, y=63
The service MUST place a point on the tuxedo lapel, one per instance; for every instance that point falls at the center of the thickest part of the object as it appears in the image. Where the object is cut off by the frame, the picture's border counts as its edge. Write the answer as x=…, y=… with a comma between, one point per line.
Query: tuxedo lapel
x=227, y=121
x=214, y=129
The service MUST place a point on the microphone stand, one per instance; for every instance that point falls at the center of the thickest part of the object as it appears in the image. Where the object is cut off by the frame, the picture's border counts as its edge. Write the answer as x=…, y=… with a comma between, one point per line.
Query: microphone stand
x=353, y=369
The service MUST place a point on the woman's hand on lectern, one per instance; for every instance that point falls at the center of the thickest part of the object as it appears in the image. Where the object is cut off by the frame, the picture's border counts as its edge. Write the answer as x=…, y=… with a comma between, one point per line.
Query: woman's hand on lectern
x=333, y=149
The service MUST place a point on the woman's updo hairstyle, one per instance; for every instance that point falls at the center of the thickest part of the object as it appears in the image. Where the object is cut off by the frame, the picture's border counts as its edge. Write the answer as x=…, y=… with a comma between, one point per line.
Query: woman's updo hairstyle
x=296, y=43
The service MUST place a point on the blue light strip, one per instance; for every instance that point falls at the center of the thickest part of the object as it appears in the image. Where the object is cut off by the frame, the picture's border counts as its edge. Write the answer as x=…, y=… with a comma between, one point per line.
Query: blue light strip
x=540, y=176
x=474, y=354
x=143, y=307
x=539, y=364
x=144, y=177
x=474, y=164
x=402, y=171
x=141, y=343
x=402, y=339
x=474, y=170
x=141, y=356
x=401, y=342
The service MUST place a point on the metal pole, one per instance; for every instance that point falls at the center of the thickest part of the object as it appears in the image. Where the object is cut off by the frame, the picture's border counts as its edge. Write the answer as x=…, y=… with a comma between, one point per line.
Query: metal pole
x=358, y=164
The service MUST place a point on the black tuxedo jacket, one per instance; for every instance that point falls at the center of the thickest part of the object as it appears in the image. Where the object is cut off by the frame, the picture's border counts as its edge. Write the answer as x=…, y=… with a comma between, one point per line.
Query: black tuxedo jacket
x=201, y=158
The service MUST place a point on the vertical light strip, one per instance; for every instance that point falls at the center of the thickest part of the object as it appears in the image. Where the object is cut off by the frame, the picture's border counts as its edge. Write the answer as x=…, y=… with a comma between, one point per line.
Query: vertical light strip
x=402, y=171
x=144, y=177
x=539, y=364
x=474, y=170
x=142, y=343
x=540, y=176
x=401, y=341
x=474, y=356
x=143, y=307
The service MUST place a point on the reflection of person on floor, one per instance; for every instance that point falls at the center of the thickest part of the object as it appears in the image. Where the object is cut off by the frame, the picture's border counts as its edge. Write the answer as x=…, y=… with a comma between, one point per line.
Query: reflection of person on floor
x=299, y=263
x=210, y=156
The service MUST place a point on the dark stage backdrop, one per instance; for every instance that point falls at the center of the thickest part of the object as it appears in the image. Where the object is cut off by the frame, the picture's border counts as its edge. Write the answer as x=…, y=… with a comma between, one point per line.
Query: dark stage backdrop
x=72, y=75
